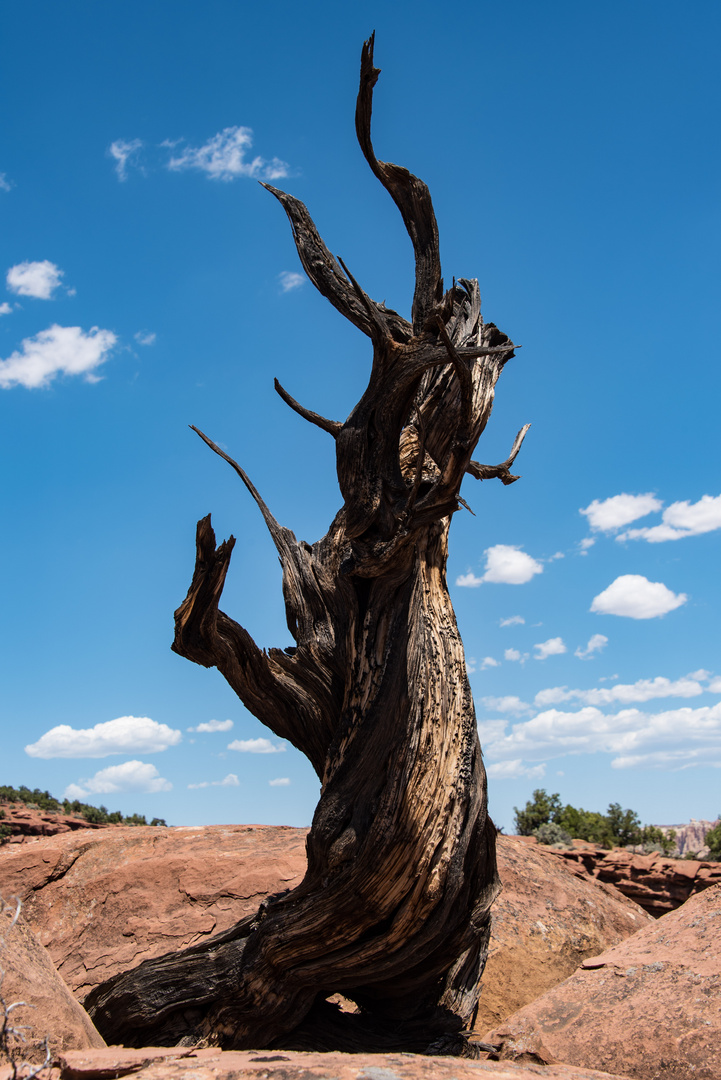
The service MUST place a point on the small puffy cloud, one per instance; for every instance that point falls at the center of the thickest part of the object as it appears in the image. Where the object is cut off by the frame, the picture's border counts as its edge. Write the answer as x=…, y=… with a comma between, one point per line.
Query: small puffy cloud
x=635, y=597
x=626, y=693
x=489, y=661
x=585, y=544
x=124, y=152
x=509, y=704
x=714, y=686
x=681, y=519
x=213, y=725
x=223, y=157
x=256, y=746
x=124, y=735
x=38, y=279
x=513, y=620
x=506, y=564
x=231, y=780
x=145, y=337
x=619, y=510
x=515, y=655
x=290, y=280
x=280, y=781
x=514, y=770
x=5, y=308
x=130, y=776
x=5, y=184
x=60, y=350
x=553, y=647
x=595, y=643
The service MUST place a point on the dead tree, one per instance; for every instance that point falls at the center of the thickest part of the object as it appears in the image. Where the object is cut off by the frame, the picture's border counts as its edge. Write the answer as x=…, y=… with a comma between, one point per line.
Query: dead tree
x=394, y=910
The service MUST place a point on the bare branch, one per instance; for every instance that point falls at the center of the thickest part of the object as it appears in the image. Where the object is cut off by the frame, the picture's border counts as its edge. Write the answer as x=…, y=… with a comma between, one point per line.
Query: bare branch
x=500, y=472
x=331, y=426
x=410, y=195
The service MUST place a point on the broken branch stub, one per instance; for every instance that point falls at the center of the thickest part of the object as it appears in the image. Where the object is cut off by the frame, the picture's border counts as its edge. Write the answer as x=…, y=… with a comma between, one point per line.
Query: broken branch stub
x=394, y=910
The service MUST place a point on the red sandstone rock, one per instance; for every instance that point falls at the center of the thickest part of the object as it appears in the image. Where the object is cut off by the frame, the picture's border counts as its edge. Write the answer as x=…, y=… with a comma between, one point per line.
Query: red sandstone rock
x=49, y=1009
x=548, y=919
x=650, y=1006
x=153, y=1064
x=104, y=902
x=29, y=821
x=656, y=882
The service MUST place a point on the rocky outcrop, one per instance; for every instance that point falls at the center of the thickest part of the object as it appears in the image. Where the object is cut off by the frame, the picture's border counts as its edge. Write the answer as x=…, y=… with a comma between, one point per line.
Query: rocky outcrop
x=691, y=839
x=162, y=1064
x=659, y=884
x=48, y=1009
x=25, y=821
x=545, y=923
x=649, y=1007
x=103, y=902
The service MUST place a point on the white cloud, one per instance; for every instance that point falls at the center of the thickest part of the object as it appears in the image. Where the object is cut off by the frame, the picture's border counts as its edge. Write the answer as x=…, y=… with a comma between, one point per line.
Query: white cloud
x=506, y=564
x=65, y=350
x=5, y=308
x=553, y=647
x=124, y=735
x=5, y=184
x=489, y=661
x=585, y=544
x=625, y=693
x=145, y=337
x=222, y=157
x=280, y=781
x=619, y=510
x=635, y=597
x=596, y=643
x=681, y=519
x=629, y=733
x=509, y=704
x=671, y=760
x=513, y=620
x=715, y=686
x=514, y=654
x=124, y=151
x=130, y=776
x=231, y=780
x=290, y=280
x=38, y=279
x=256, y=746
x=213, y=725
x=514, y=770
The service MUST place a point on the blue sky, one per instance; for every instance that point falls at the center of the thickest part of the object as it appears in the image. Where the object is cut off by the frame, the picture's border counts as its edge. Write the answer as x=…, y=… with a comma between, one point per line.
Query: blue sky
x=148, y=282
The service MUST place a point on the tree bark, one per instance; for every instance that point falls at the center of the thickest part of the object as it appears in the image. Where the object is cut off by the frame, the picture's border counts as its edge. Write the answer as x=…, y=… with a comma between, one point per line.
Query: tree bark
x=394, y=910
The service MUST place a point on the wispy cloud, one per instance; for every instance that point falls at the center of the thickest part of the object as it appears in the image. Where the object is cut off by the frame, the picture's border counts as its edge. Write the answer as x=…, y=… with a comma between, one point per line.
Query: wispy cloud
x=256, y=746
x=619, y=510
x=145, y=337
x=290, y=280
x=212, y=725
x=627, y=693
x=681, y=519
x=506, y=564
x=635, y=597
x=513, y=620
x=595, y=644
x=5, y=308
x=223, y=157
x=124, y=152
x=515, y=655
x=231, y=780
x=5, y=184
x=515, y=770
x=488, y=662
x=553, y=647
x=59, y=350
x=124, y=735
x=280, y=781
x=37, y=279
x=509, y=704
x=130, y=776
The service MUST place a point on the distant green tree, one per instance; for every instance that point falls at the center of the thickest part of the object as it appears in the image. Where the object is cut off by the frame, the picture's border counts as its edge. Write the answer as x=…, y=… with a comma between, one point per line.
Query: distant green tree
x=159, y=821
x=655, y=839
x=586, y=825
x=540, y=810
x=713, y=842
x=625, y=825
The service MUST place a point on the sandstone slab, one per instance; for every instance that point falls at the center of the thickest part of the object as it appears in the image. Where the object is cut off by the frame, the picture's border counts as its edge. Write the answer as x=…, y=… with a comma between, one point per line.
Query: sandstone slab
x=48, y=1009
x=649, y=1007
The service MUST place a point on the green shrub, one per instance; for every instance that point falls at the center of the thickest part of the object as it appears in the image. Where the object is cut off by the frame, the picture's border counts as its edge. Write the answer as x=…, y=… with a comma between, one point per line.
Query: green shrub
x=713, y=842
x=550, y=833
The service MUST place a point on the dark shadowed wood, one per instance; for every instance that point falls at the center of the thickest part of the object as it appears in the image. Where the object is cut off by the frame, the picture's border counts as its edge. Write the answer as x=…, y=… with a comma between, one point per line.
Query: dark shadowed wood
x=394, y=910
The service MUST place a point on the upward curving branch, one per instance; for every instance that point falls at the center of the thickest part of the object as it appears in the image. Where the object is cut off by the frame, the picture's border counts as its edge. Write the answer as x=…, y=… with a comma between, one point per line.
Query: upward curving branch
x=394, y=910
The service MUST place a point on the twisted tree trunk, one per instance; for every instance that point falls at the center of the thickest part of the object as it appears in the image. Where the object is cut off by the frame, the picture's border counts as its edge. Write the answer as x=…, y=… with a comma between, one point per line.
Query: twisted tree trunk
x=394, y=910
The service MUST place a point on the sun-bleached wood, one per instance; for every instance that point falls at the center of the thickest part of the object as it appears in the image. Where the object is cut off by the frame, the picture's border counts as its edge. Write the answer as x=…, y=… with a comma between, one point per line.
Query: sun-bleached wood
x=394, y=910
